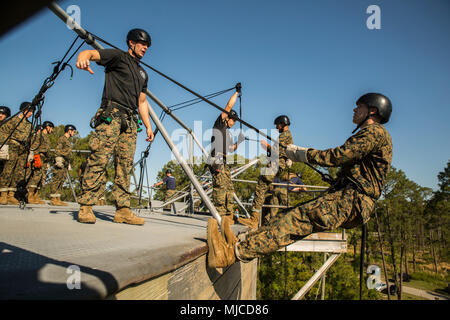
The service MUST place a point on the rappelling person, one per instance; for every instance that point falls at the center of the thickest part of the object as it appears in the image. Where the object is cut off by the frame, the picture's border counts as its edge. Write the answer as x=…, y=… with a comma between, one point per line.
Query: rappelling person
x=116, y=124
x=365, y=160
x=221, y=145
x=61, y=166
x=18, y=130
x=282, y=124
x=39, y=159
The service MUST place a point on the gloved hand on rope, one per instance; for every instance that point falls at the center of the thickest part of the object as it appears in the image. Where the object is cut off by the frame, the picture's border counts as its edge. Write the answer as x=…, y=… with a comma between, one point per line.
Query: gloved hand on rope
x=296, y=153
x=265, y=145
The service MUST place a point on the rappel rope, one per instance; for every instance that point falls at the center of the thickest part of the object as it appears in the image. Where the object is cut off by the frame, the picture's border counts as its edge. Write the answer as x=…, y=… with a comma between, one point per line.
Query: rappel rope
x=90, y=36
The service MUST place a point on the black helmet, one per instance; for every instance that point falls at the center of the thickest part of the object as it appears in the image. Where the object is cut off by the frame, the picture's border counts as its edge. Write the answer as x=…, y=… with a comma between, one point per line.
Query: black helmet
x=5, y=110
x=379, y=101
x=25, y=105
x=139, y=35
x=168, y=171
x=48, y=124
x=233, y=115
x=283, y=120
x=69, y=127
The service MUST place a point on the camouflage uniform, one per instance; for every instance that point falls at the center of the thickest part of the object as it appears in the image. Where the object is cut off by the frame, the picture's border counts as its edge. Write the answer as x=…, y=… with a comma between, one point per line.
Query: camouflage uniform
x=365, y=159
x=14, y=169
x=40, y=145
x=278, y=197
x=265, y=180
x=63, y=149
x=108, y=139
x=223, y=190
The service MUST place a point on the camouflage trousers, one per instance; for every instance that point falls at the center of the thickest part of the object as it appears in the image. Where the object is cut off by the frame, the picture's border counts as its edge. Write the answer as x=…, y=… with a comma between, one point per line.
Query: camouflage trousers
x=38, y=176
x=168, y=195
x=109, y=140
x=345, y=208
x=278, y=197
x=223, y=190
x=59, y=175
x=264, y=181
x=14, y=169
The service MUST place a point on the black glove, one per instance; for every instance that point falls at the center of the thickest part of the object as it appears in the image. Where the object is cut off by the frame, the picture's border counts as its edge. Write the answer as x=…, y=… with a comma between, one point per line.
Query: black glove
x=238, y=87
x=240, y=138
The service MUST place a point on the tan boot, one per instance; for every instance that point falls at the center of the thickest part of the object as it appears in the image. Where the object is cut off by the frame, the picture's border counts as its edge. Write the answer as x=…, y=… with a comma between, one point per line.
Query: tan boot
x=4, y=197
x=124, y=215
x=227, y=233
x=11, y=199
x=37, y=198
x=86, y=215
x=220, y=253
x=30, y=197
x=56, y=201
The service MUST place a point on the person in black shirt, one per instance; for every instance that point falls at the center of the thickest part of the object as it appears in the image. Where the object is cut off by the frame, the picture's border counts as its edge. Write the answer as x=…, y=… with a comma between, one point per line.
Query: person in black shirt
x=116, y=125
x=221, y=144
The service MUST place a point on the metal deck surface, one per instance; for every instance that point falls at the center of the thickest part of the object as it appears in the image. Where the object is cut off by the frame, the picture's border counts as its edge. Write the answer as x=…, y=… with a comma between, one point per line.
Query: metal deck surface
x=42, y=246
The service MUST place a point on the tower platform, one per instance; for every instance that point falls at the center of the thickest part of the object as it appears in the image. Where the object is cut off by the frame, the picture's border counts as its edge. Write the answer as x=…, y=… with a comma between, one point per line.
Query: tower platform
x=46, y=254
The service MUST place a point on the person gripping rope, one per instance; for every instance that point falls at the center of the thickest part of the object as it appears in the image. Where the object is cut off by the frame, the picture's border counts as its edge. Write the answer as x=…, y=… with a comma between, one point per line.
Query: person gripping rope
x=365, y=160
x=221, y=145
x=116, y=123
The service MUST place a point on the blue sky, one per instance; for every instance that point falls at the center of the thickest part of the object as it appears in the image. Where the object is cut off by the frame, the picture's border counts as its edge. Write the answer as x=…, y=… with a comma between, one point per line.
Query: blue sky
x=310, y=60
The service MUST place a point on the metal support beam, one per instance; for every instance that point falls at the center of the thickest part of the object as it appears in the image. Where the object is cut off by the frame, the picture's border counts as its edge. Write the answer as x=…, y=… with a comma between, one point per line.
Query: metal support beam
x=311, y=282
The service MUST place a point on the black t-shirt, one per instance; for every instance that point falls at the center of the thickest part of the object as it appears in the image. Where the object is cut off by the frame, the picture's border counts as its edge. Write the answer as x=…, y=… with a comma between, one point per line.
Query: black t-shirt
x=125, y=79
x=221, y=140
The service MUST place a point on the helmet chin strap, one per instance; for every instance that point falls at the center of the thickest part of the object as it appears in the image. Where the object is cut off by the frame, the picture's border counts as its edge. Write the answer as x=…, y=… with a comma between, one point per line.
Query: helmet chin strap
x=134, y=52
x=361, y=123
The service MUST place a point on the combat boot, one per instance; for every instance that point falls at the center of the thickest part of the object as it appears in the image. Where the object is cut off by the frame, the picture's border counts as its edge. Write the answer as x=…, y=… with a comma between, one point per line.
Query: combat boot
x=4, y=197
x=227, y=233
x=56, y=201
x=31, y=197
x=220, y=252
x=124, y=215
x=86, y=215
x=53, y=201
x=252, y=222
x=11, y=199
